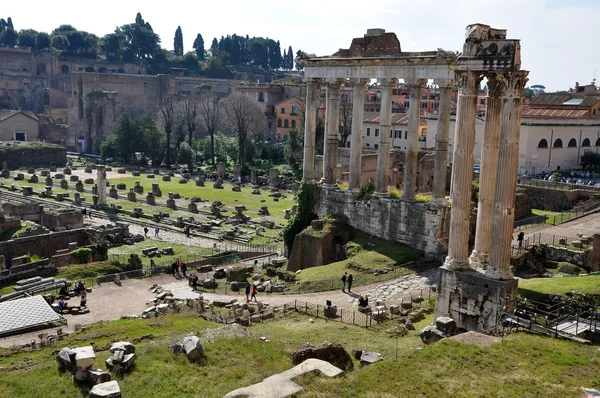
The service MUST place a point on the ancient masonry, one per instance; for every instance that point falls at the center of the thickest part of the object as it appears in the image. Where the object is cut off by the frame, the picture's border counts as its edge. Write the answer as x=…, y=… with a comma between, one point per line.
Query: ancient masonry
x=473, y=287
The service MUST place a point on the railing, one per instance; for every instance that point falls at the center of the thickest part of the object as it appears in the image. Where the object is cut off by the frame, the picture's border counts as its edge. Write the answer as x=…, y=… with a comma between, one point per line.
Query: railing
x=541, y=238
x=563, y=186
x=530, y=221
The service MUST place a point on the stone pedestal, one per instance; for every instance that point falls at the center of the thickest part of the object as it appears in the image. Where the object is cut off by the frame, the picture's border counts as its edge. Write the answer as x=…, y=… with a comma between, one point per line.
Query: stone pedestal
x=113, y=192
x=150, y=199
x=138, y=188
x=474, y=301
x=49, y=181
x=200, y=181
x=221, y=169
x=253, y=177
x=237, y=172
x=101, y=177
x=193, y=207
x=27, y=191
x=64, y=184
x=79, y=186
x=156, y=190
x=171, y=201
x=77, y=198
x=273, y=176
x=131, y=195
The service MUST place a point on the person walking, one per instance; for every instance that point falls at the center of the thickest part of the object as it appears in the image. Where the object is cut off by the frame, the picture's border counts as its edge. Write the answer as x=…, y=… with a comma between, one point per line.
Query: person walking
x=156, y=231
x=520, y=239
x=146, y=232
x=247, y=292
x=84, y=212
x=349, y=280
x=183, y=269
x=253, y=293
x=344, y=278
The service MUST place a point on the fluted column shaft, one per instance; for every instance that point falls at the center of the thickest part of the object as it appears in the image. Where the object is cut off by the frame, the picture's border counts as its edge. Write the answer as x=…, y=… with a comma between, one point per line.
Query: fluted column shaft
x=441, y=146
x=310, y=130
x=412, y=149
x=462, y=171
x=487, y=176
x=506, y=180
x=331, y=134
x=385, y=124
x=358, y=105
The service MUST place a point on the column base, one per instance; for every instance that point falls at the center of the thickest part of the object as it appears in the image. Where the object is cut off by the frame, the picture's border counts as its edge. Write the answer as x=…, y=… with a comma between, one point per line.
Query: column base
x=438, y=202
x=457, y=264
x=409, y=199
x=478, y=260
x=474, y=301
x=381, y=195
x=330, y=186
x=498, y=274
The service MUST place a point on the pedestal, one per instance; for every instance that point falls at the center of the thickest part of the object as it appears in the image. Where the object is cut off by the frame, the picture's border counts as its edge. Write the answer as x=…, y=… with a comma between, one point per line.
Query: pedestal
x=474, y=301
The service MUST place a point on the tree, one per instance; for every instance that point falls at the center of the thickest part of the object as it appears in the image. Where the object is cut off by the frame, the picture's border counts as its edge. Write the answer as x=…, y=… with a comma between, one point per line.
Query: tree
x=590, y=160
x=9, y=23
x=124, y=141
x=27, y=38
x=167, y=113
x=62, y=29
x=9, y=37
x=60, y=42
x=244, y=116
x=190, y=116
x=42, y=41
x=211, y=117
x=2, y=25
x=112, y=45
x=345, y=124
x=153, y=138
x=299, y=67
x=199, y=47
x=178, y=42
x=290, y=59
x=293, y=148
x=214, y=48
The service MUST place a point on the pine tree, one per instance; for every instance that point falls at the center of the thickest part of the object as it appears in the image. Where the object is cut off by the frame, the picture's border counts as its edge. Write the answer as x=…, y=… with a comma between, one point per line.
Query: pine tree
x=284, y=60
x=214, y=48
x=290, y=60
x=199, y=47
x=178, y=42
x=9, y=23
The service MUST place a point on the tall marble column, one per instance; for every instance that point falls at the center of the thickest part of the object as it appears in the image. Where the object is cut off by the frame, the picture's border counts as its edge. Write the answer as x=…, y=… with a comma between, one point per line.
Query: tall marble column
x=310, y=130
x=441, y=143
x=358, y=108
x=385, y=125
x=412, y=149
x=506, y=177
x=462, y=171
x=489, y=164
x=331, y=134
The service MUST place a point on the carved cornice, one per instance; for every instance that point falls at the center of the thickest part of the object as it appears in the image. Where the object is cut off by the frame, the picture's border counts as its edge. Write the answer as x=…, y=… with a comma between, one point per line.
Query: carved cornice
x=468, y=82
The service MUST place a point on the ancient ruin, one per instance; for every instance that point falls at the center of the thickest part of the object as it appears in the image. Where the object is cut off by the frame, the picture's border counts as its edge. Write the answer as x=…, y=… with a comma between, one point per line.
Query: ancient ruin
x=467, y=294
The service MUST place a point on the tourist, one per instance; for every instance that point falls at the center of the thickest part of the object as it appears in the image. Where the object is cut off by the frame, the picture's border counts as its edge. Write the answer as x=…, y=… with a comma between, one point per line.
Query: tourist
x=520, y=239
x=253, y=293
x=173, y=268
x=156, y=231
x=84, y=212
x=344, y=277
x=247, y=291
x=363, y=301
x=350, y=279
x=64, y=290
x=82, y=289
x=62, y=305
x=83, y=302
x=146, y=232
x=194, y=279
x=183, y=269
x=76, y=288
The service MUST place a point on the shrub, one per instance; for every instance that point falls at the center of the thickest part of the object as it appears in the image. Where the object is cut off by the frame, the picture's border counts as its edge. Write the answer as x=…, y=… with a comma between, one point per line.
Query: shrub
x=366, y=190
x=82, y=254
x=304, y=215
x=395, y=193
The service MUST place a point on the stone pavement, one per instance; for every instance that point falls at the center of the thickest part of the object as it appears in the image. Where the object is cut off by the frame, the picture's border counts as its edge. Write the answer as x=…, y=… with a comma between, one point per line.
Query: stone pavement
x=404, y=286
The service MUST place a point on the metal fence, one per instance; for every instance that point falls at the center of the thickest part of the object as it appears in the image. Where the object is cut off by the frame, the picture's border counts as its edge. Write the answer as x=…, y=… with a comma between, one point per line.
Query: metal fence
x=540, y=238
x=563, y=186
x=530, y=221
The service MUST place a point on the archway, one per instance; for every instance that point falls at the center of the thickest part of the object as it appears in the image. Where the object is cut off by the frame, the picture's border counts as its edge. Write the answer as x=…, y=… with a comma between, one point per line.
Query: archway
x=64, y=69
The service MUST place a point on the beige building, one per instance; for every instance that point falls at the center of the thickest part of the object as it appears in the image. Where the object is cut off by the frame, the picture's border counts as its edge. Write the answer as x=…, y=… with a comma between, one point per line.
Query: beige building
x=19, y=126
x=399, y=136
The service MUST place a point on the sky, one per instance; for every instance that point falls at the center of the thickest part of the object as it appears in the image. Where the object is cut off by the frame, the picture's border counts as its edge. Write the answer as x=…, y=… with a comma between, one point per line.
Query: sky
x=558, y=37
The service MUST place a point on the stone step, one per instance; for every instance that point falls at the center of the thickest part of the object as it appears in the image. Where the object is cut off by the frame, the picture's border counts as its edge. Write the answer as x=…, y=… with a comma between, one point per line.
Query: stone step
x=28, y=281
x=45, y=281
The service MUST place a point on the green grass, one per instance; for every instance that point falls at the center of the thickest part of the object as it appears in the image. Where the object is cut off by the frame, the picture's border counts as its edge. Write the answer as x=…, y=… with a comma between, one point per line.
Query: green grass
x=84, y=271
x=522, y=365
x=550, y=215
x=183, y=252
x=367, y=252
x=589, y=284
x=13, y=233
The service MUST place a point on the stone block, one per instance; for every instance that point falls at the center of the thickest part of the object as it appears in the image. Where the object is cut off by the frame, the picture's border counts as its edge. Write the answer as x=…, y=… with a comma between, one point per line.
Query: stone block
x=150, y=176
x=89, y=181
x=84, y=358
x=98, y=376
x=64, y=184
x=431, y=335
x=176, y=348
x=446, y=325
x=368, y=358
x=66, y=171
x=64, y=360
x=125, y=346
x=166, y=178
x=218, y=185
x=74, y=178
x=79, y=186
x=109, y=389
x=121, y=171
x=121, y=186
x=135, y=173
x=193, y=348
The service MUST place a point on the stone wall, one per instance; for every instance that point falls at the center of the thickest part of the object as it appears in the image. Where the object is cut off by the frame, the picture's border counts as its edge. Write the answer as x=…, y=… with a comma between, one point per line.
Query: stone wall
x=24, y=211
x=417, y=225
x=577, y=257
x=44, y=246
x=41, y=268
x=32, y=154
x=60, y=220
x=554, y=199
x=594, y=259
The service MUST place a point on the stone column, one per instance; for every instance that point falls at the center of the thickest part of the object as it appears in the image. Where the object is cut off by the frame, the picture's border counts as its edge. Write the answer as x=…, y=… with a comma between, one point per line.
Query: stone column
x=414, y=117
x=487, y=176
x=462, y=171
x=310, y=130
x=101, y=177
x=385, y=125
x=331, y=134
x=358, y=109
x=441, y=144
x=506, y=178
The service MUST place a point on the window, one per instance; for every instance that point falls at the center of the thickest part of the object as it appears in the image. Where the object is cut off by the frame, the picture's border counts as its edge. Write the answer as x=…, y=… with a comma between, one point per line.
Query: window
x=20, y=136
x=376, y=146
x=368, y=131
x=598, y=142
x=391, y=133
x=283, y=111
x=285, y=138
x=278, y=122
x=406, y=135
x=368, y=144
x=397, y=134
x=558, y=143
x=406, y=104
x=294, y=109
x=286, y=124
x=543, y=143
x=572, y=143
x=261, y=97
x=424, y=105
x=482, y=101
x=293, y=124
x=586, y=142
x=376, y=132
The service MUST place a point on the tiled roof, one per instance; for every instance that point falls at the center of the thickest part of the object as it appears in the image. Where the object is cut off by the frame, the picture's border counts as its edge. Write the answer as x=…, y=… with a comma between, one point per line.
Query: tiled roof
x=7, y=114
x=553, y=99
x=563, y=113
x=397, y=118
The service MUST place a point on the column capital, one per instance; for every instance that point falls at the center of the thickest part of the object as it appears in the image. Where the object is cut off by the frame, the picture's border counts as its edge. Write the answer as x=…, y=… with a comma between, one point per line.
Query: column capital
x=444, y=83
x=387, y=81
x=468, y=82
x=515, y=83
x=358, y=82
x=496, y=84
x=415, y=82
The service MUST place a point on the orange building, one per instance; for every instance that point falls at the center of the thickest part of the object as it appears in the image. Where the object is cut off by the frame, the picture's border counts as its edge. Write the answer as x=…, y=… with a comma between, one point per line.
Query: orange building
x=286, y=116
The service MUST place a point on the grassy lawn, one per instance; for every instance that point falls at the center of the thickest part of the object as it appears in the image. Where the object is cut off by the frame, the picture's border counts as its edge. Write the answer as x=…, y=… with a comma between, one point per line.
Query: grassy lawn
x=368, y=253
x=183, y=252
x=550, y=215
x=589, y=284
x=522, y=365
